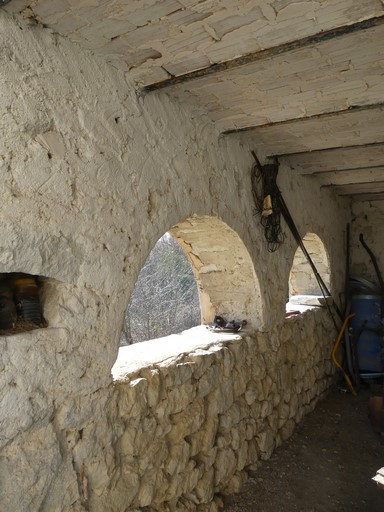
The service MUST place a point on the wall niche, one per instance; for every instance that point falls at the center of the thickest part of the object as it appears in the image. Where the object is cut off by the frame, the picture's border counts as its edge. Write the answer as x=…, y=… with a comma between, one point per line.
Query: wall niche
x=20, y=303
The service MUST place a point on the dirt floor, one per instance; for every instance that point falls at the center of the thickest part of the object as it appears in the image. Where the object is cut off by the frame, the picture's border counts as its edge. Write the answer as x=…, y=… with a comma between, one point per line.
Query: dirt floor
x=326, y=466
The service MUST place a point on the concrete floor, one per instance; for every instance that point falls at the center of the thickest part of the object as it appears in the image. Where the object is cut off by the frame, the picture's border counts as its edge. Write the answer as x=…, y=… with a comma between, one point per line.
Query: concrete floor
x=326, y=466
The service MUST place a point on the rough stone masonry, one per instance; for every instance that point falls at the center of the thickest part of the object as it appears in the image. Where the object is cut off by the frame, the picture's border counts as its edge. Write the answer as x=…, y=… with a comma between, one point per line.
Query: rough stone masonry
x=91, y=176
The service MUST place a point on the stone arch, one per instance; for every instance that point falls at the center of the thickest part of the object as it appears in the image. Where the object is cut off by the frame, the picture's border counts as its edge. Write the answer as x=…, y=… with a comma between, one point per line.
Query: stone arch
x=223, y=269
x=302, y=280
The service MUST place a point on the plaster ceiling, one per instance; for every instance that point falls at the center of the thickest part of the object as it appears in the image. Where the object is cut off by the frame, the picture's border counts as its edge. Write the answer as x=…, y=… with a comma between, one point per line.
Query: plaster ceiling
x=300, y=79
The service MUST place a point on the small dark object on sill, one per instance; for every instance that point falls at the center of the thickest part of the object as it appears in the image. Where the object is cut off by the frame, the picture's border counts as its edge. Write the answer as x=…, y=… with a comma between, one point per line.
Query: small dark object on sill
x=222, y=325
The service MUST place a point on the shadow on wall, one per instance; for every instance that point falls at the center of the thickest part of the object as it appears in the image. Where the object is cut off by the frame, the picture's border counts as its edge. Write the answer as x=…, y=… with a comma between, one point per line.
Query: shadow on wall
x=213, y=272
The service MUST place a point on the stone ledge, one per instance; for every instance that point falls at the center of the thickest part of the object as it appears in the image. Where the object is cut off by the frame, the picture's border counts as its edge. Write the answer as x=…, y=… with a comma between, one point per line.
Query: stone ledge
x=147, y=353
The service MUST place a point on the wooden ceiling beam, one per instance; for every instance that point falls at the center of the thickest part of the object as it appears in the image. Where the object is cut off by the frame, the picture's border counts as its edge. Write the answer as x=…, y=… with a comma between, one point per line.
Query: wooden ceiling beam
x=358, y=188
x=267, y=53
x=377, y=196
x=357, y=184
x=338, y=172
x=330, y=148
x=322, y=115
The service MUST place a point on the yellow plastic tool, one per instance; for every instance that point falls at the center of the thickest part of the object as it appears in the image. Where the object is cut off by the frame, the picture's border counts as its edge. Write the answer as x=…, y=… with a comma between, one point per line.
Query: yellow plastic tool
x=334, y=350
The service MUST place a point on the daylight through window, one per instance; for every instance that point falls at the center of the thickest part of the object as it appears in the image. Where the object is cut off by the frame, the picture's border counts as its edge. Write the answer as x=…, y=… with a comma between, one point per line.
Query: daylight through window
x=165, y=299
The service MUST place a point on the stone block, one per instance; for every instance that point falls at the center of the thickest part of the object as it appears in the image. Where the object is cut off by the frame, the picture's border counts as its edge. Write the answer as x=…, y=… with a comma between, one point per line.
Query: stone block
x=258, y=369
x=236, y=482
x=178, y=458
x=266, y=409
x=287, y=429
x=220, y=400
x=193, y=474
x=240, y=381
x=266, y=443
x=228, y=362
x=204, y=439
x=155, y=386
x=267, y=385
x=126, y=443
x=263, y=344
x=178, y=398
x=253, y=455
x=224, y=466
x=203, y=359
x=242, y=455
x=134, y=398
x=209, y=381
x=204, y=487
x=250, y=396
x=250, y=429
x=187, y=422
x=181, y=372
x=147, y=489
x=273, y=420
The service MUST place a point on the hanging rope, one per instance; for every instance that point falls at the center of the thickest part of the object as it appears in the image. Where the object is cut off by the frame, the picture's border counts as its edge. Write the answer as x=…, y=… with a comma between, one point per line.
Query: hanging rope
x=264, y=178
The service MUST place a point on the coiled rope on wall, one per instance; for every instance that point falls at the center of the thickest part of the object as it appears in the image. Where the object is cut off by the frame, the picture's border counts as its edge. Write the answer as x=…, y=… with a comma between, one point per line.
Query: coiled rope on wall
x=266, y=201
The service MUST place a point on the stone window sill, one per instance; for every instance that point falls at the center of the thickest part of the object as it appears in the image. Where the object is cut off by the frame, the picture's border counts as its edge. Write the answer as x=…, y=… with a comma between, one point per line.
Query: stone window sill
x=301, y=303
x=164, y=350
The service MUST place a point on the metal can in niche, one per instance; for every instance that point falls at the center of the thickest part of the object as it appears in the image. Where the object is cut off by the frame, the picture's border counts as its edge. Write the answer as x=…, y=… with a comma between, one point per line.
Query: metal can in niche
x=26, y=296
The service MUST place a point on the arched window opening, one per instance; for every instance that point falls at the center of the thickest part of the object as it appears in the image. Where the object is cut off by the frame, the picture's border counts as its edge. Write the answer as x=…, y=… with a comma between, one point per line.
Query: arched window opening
x=226, y=284
x=165, y=299
x=304, y=290
x=200, y=268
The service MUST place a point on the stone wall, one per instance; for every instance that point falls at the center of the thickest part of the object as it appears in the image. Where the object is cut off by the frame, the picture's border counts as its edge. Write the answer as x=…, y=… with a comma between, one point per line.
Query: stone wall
x=92, y=176
x=188, y=428
x=367, y=218
x=302, y=280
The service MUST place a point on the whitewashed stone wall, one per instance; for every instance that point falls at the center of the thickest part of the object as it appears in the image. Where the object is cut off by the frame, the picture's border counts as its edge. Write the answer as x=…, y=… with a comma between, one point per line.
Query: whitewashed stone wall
x=368, y=219
x=91, y=176
x=302, y=280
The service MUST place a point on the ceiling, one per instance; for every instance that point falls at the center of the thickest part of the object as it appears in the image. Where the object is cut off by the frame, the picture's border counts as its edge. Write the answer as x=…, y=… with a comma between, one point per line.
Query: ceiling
x=300, y=79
